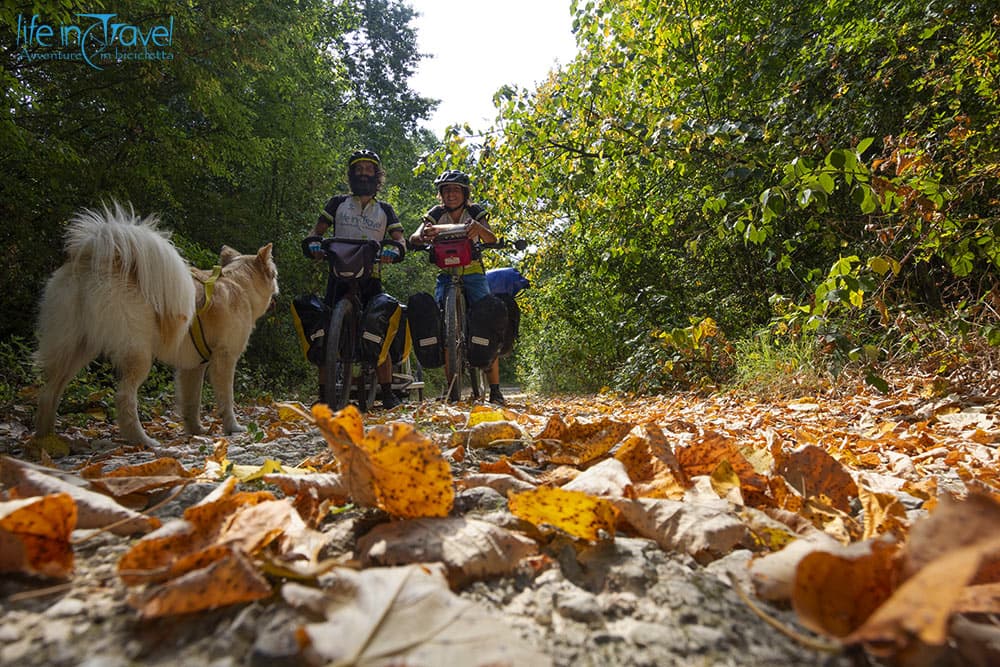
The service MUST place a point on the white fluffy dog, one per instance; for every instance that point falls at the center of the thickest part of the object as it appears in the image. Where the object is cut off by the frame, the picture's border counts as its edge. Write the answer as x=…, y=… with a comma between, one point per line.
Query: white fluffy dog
x=125, y=292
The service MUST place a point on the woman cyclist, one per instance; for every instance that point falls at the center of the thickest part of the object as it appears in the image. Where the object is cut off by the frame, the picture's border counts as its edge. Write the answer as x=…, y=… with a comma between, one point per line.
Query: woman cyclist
x=453, y=192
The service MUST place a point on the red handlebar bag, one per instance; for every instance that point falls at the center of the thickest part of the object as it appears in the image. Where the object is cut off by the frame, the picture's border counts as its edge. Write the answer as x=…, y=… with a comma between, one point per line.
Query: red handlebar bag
x=452, y=253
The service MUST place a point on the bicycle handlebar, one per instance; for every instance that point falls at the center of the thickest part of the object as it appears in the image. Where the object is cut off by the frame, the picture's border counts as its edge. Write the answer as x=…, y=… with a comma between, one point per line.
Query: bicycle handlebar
x=325, y=244
x=501, y=244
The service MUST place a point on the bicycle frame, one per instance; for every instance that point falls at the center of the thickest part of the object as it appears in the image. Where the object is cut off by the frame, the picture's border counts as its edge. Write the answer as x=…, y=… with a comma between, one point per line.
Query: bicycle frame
x=455, y=326
x=343, y=336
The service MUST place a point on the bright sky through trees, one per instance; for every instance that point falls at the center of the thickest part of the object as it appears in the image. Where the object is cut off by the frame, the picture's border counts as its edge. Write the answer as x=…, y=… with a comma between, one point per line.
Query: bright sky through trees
x=477, y=46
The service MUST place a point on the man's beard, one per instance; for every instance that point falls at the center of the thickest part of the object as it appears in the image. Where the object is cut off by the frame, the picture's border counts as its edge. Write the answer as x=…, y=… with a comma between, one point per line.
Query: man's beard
x=363, y=185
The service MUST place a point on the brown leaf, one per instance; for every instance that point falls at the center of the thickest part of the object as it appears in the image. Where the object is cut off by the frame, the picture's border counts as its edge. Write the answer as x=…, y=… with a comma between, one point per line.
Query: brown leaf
x=816, y=474
x=393, y=467
x=651, y=464
x=487, y=434
x=704, y=454
x=953, y=524
x=230, y=579
x=94, y=510
x=35, y=535
x=836, y=591
x=581, y=441
x=469, y=549
x=706, y=531
x=883, y=514
x=325, y=486
x=921, y=608
x=607, y=479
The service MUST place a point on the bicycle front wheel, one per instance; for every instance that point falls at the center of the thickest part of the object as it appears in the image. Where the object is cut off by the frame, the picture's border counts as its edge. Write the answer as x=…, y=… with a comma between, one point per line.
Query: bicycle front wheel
x=454, y=345
x=341, y=342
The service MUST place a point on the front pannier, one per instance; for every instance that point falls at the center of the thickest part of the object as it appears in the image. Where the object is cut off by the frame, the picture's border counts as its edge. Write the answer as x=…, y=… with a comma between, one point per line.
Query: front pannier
x=424, y=319
x=487, y=326
x=378, y=327
x=311, y=317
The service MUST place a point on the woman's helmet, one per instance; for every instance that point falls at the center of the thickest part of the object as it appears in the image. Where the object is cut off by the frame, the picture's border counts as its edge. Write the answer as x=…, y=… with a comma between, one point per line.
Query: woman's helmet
x=452, y=177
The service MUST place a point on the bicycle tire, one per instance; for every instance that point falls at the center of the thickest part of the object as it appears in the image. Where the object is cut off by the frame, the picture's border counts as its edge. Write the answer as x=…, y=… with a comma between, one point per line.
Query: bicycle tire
x=453, y=344
x=341, y=341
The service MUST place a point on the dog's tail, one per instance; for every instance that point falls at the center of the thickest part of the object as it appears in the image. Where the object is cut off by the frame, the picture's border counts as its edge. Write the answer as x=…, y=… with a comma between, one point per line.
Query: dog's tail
x=115, y=241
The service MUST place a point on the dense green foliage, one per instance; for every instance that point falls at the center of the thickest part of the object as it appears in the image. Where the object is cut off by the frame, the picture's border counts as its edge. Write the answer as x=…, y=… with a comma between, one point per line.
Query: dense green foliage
x=818, y=167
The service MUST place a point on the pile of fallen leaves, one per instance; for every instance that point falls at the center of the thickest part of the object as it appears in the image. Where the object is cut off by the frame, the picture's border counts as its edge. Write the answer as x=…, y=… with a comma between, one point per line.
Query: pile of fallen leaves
x=877, y=520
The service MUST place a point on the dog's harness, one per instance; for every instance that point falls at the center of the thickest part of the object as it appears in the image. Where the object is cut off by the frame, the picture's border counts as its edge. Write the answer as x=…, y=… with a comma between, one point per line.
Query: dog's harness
x=196, y=331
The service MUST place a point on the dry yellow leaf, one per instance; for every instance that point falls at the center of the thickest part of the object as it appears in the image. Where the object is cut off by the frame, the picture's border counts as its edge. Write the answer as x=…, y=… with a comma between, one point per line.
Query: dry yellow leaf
x=573, y=512
x=411, y=477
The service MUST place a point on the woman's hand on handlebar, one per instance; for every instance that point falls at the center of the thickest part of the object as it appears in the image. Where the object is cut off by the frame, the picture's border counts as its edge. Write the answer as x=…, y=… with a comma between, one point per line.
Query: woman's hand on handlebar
x=428, y=233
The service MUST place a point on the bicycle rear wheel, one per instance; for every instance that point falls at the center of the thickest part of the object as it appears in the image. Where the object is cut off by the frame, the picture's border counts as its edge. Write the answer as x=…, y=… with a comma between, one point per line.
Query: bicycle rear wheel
x=341, y=342
x=454, y=345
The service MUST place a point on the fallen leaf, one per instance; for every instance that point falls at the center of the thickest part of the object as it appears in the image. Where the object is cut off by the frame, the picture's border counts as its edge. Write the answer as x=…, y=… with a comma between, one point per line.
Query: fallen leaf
x=35, y=535
x=835, y=591
x=229, y=580
x=573, y=512
x=393, y=467
x=403, y=615
x=706, y=531
x=953, y=524
x=469, y=549
x=816, y=474
x=726, y=483
x=883, y=514
x=703, y=455
x=326, y=486
x=607, y=479
x=581, y=441
x=651, y=464
x=94, y=510
x=502, y=484
x=248, y=473
x=920, y=609
x=487, y=434
x=773, y=575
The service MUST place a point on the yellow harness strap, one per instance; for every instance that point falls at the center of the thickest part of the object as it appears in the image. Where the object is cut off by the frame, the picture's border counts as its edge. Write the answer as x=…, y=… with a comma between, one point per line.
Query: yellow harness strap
x=197, y=334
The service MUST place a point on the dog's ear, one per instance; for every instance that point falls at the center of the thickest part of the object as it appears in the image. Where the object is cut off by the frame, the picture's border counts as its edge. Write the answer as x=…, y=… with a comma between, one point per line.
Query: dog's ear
x=264, y=254
x=227, y=255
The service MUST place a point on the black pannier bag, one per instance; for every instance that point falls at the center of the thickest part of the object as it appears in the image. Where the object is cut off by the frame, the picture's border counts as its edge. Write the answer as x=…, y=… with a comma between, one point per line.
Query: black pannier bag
x=311, y=317
x=379, y=324
x=424, y=319
x=402, y=343
x=487, y=326
x=513, y=323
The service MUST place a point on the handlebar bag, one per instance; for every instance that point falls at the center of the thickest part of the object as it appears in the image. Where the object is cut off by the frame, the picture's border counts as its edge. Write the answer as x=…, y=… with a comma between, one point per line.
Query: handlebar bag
x=487, y=328
x=311, y=317
x=452, y=253
x=424, y=318
x=379, y=325
x=352, y=260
